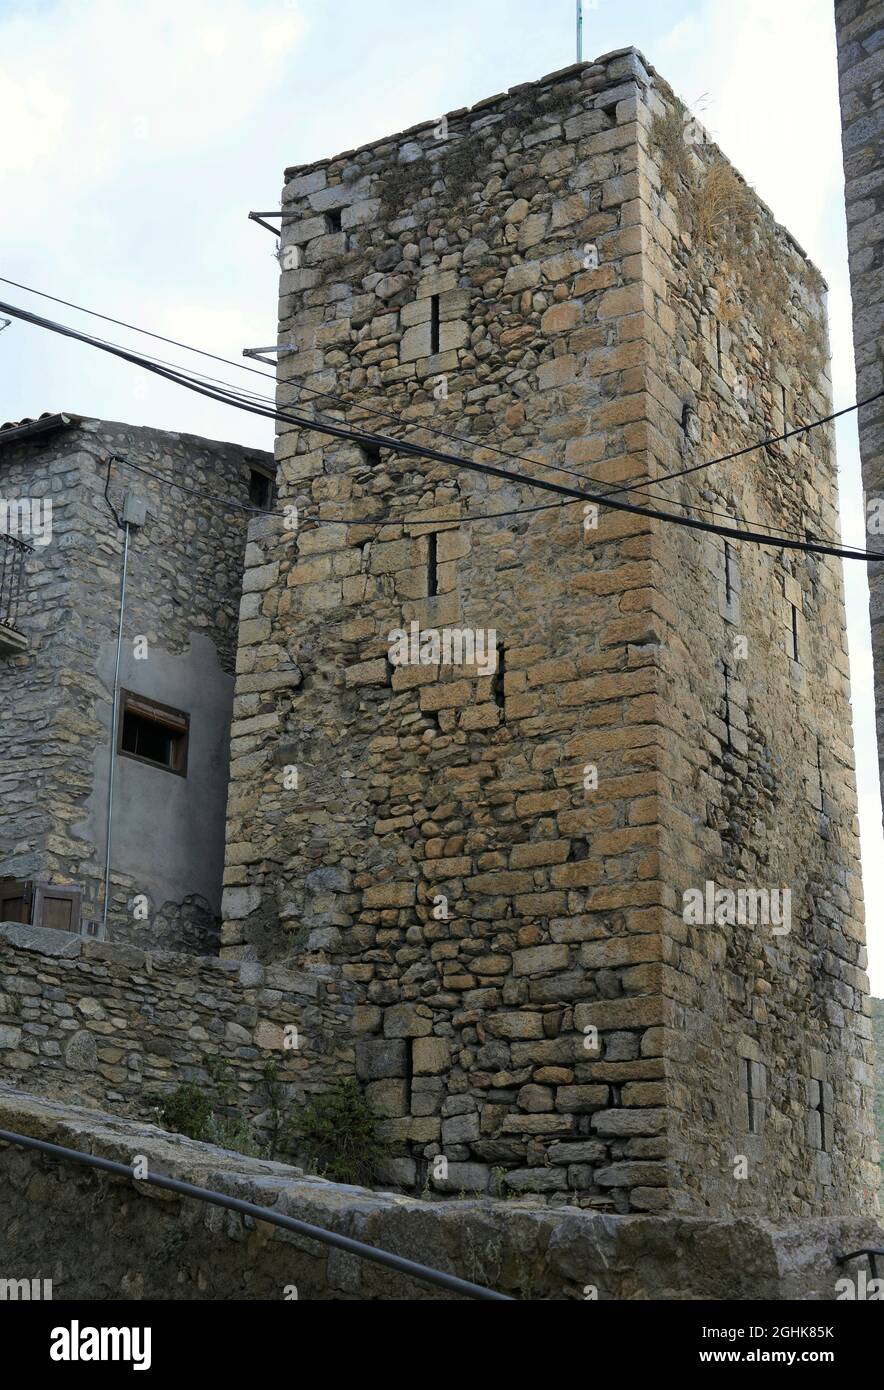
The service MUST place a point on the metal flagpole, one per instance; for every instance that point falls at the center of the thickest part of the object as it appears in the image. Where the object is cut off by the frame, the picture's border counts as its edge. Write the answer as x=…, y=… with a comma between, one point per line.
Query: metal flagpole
x=580, y=31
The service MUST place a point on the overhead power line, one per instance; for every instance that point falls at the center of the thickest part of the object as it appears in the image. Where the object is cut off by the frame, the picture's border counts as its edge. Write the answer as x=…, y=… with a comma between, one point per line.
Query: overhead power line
x=412, y=450
x=762, y=444
x=479, y=516
x=386, y=519
x=638, y=489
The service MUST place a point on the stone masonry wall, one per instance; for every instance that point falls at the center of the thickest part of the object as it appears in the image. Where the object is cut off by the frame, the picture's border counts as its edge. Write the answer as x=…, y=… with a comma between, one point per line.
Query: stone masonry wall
x=770, y=1050
x=109, y=1026
x=495, y=861
x=99, y=1237
x=860, y=27
x=185, y=578
x=426, y=781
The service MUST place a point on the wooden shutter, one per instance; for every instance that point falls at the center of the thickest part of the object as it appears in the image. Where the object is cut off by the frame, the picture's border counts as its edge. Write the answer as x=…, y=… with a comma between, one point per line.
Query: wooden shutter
x=57, y=906
x=16, y=899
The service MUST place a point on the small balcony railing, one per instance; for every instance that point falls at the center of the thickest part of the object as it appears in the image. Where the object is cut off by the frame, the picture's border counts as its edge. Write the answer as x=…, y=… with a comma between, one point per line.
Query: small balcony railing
x=13, y=553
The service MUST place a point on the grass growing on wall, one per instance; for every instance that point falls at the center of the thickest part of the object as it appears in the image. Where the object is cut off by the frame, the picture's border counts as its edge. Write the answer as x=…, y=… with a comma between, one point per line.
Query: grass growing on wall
x=204, y=1113
x=736, y=247
x=335, y=1135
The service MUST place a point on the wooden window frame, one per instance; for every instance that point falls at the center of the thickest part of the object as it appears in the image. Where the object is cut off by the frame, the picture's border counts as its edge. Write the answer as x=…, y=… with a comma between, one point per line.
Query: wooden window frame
x=174, y=719
x=15, y=888
x=57, y=892
x=35, y=895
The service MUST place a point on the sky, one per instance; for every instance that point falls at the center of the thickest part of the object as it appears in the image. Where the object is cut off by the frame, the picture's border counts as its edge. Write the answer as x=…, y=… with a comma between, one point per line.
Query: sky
x=135, y=137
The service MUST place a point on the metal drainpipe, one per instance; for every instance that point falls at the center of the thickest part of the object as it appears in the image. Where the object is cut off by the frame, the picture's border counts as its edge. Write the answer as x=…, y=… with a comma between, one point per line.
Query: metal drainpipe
x=114, y=723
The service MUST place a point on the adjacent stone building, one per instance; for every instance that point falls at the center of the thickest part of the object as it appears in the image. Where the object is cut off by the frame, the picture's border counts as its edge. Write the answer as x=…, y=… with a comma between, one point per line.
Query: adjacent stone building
x=68, y=485
x=499, y=865
x=860, y=26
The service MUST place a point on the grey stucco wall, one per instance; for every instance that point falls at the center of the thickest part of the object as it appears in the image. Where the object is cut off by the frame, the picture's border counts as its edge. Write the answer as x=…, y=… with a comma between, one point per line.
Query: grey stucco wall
x=168, y=831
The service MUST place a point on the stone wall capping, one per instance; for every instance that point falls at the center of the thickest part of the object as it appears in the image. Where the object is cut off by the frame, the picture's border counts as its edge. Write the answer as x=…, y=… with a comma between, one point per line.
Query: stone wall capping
x=536, y=1252
x=42, y=940
x=116, y=951
x=562, y=74
x=629, y=50
x=94, y=425
x=572, y=70
x=490, y=101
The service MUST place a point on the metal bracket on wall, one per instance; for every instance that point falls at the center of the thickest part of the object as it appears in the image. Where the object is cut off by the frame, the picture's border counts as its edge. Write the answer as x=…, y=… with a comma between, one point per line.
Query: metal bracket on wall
x=280, y=351
x=260, y=216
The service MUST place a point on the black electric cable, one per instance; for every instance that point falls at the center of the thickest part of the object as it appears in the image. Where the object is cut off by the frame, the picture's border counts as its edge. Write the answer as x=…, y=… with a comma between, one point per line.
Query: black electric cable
x=409, y=449
x=320, y=395
x=763, y=444
x=444, y=434
x=387, y=519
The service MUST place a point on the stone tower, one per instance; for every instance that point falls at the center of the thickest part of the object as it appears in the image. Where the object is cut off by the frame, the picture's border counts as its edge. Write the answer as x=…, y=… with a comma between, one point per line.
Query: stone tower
x=506, y=872
x=860, y=26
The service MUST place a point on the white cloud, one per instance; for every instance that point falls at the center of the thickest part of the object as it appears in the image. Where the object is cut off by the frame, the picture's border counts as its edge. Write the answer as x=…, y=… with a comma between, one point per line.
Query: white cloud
x=170, y=76
x=32, y=116
x=119, y=121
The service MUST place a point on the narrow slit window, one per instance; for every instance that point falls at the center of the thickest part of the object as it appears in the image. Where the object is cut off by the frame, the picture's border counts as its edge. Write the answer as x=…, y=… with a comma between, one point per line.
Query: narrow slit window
x=794, y=634
x=747, y=1087
x=825, y=1122
x=728, y=576
x=432, y=565
x=752, y=1086
x=821, y=1115
x=434, y=324
x=371, y=454
x=718, y=345
x=153, y=733
x=333, y=220
x=727, y=704
x=499, y=679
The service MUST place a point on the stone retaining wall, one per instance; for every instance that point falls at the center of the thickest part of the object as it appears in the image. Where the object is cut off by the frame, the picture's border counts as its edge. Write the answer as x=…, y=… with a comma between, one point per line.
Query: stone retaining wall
x=102, y=1238
x=112, y=1026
